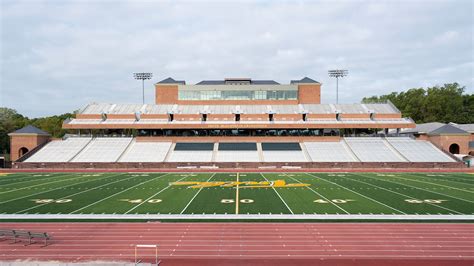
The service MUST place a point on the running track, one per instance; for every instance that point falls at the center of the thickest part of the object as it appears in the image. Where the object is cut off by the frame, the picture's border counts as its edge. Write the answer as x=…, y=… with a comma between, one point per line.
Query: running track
x=253, y=243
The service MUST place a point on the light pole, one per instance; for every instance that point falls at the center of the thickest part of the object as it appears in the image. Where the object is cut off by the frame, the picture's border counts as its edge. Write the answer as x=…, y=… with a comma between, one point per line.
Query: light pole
x=142, y=76
x=337, y=73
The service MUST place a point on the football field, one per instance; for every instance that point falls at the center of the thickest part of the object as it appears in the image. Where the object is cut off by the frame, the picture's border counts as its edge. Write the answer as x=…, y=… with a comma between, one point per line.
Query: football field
x=237, y=193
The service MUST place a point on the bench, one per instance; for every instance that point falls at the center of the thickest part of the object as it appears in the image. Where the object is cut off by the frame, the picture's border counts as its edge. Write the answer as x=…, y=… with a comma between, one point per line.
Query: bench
x=18, y=235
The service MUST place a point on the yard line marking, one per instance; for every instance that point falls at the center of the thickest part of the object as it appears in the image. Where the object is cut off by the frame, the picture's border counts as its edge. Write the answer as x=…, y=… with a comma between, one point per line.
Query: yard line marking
x=41, y=192
x=237, y=196
x=189, y=203
x=77, y=193
x=367, y=197
x=278, y=195
x=138, y=205
x=403, y=194
x=42, y=184
x=117, y=193
x=435, y=184
x=339, y=207
x=445, y=178
x=422, y=189
x=30, y=178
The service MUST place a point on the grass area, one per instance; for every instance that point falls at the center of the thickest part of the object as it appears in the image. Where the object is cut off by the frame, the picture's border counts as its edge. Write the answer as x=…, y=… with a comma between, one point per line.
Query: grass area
x=237, y=193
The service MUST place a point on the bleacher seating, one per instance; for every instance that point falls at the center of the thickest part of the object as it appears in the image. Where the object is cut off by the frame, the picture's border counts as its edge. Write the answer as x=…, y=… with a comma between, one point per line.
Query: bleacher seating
x=103, y=150
x=146, y=152
x=329, y=152
x=237, y=152
x=370, y=149
x=59, y=151
x=282, y=152
x=419, y=150
x=192, y=152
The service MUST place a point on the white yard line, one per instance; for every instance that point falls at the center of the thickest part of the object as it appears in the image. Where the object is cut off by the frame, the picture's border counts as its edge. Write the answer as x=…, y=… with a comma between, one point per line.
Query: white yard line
x=41, y=192
x=77, y=193
x=410, y=197
x=139, y=184
x=460, y=189
x=278, y=195
x=367, y=197
x=328, y=200
x=443, y=178
x=30, y=179
x=42, y=184
x=237, y=196
x=138, y=205
x=406, y=185
x=189, y=203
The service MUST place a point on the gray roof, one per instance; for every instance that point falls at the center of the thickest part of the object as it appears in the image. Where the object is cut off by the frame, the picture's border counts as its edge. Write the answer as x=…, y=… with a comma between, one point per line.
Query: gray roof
x=29, y=129
x=304, y=80
x=172, y=81
x=424, y=128
x=448, y=129
x=466, y=127
x=222, y=82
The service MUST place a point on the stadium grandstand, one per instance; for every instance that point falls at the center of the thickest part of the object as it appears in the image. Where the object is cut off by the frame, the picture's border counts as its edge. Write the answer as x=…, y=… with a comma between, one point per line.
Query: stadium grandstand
x=240, y=122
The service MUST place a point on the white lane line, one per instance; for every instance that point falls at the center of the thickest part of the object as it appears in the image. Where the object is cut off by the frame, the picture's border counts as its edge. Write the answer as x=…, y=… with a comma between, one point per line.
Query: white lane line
x=189, y=203
x=42, y=184
x=53, y=189
x=139, y=184
x=138, y=205
x=406, y=185
x=328, y=200
x=460, y=189
x=278, y=195
x=367, y=197
x=77, y=193
x=410, y=197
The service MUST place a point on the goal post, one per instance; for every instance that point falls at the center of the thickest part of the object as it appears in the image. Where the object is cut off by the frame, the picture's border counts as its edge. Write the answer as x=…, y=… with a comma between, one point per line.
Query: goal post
x=149, y=247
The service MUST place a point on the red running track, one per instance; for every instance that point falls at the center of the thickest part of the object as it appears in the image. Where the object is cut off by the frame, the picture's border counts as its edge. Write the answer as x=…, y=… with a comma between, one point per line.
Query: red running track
x=252, y=243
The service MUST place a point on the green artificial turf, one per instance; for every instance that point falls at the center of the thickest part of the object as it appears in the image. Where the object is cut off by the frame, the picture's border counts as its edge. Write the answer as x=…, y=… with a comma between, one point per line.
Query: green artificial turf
x=256, y=193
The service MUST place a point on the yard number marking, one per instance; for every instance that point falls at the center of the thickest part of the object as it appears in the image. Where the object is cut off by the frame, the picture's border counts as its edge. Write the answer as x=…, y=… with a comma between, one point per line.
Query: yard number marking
x=333, y=200
x=432, y=201
x=141, y=200
x=41, y=201
x=241, y=201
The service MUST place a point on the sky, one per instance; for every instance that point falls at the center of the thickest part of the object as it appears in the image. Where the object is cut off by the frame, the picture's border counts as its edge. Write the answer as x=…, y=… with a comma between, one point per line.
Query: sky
x=57, y=56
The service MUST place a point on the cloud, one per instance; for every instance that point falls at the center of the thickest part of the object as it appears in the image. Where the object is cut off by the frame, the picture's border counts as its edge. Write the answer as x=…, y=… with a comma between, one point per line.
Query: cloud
x=57, y=56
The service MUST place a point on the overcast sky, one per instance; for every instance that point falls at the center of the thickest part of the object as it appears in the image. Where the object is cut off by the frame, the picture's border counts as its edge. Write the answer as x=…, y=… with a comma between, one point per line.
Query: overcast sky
x=57, y=56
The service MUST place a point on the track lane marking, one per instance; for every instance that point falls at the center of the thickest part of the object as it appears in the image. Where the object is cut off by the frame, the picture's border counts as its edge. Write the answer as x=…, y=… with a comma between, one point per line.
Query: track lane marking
x=367, y=197
x=189, y=203
x=278, y=194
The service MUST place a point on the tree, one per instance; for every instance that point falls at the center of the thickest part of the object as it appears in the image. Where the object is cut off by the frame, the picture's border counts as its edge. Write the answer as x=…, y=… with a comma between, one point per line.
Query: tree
x=11, y=120
x=445, y=104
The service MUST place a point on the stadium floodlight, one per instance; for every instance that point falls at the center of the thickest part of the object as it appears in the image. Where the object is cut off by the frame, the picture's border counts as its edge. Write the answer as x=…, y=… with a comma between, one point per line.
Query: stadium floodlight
x=142, y=76
x=337, y=73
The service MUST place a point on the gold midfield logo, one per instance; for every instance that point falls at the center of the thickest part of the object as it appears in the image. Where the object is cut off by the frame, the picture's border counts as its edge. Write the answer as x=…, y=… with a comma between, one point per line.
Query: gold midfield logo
x=247, y=184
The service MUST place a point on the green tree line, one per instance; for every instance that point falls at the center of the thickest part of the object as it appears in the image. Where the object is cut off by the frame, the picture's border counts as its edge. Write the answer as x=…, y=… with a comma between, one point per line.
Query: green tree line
x=11, y=120
x=445, y=104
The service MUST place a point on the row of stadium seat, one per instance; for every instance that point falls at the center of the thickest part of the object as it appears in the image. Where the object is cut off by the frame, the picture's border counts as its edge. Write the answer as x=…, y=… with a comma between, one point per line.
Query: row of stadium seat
x=79, y=149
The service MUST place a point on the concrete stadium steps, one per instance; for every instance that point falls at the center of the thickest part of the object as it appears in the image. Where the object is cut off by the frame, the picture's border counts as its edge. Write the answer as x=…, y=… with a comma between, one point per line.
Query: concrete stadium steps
x=60, y=151
x=103, y=150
